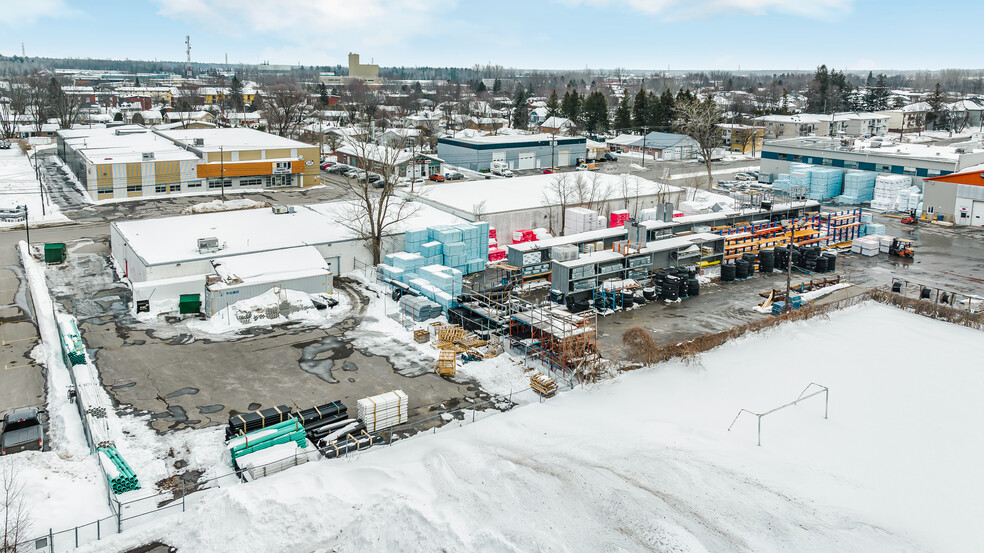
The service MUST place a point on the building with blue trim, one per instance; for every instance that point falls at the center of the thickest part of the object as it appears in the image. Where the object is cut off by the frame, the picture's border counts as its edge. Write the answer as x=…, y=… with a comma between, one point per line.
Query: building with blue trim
x=879, y=156
x=519, y=151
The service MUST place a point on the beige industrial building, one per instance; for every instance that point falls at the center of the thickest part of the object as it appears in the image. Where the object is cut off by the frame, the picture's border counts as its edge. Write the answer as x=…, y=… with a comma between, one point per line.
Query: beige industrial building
x=132, y=161
x=367, y=73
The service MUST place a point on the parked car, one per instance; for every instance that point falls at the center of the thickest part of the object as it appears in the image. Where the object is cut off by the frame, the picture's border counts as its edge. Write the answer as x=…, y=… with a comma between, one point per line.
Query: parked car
x=745, y=177
x=4, y=144
x=610, y=157
x=22, y=431
x=327, y=164
x=453, y=175
x=436, y=177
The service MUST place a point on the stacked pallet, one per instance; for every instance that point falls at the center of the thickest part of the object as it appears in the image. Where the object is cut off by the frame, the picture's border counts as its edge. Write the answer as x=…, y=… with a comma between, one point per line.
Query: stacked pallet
x=859, y=187
x=419, y=308
x=121, y=477
x=825, y=182
x=566, y=252
x=543, y=385
x=255, y=420
x=618, y=218
x=446, y=363
x=868, y=246
x=887, y=188
x=384, y=410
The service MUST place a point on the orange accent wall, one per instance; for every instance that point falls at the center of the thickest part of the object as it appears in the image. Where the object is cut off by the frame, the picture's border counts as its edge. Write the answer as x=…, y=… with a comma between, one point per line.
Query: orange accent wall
x=974, y=179
x=248, y=169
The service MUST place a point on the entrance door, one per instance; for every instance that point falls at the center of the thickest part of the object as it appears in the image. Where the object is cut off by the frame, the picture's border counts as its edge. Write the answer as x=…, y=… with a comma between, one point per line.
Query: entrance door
x=563, y=158
x=977, y=215
x=333, y=263
x=527, y=160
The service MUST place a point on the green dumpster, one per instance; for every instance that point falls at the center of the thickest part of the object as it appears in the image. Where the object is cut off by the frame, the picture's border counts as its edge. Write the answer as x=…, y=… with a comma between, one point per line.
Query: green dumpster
x=189, y=303
x=55, y=253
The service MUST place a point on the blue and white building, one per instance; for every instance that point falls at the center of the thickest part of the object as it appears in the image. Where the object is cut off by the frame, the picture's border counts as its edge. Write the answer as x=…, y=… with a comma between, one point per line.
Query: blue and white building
x=521, y=151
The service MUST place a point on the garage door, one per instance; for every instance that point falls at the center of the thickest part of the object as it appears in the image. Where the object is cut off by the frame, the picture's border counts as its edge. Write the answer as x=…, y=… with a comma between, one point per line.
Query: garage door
x=527, y=160
x=498, y=156
x=977, y=215
x=563, y=158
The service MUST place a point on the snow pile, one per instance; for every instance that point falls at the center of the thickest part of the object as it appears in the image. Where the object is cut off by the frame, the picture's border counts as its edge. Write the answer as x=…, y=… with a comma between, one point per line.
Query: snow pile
x=273, y=307
x=892, y=469
x=19, y=186
x=810, y=296
x=220, y=205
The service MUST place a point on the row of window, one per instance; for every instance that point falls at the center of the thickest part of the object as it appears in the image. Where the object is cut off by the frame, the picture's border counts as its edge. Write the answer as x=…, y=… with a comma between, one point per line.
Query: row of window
x=861, y=165
x=277, y=180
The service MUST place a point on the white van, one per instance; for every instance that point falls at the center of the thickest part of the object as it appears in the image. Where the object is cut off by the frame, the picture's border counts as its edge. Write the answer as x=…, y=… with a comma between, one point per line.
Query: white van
x=500, y=168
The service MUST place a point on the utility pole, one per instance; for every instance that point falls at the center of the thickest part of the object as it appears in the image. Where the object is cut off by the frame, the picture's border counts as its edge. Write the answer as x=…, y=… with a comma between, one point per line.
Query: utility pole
x=645, y=131
x=27, y=226
x=222, y=171
x=553, y=146
x=789, y=266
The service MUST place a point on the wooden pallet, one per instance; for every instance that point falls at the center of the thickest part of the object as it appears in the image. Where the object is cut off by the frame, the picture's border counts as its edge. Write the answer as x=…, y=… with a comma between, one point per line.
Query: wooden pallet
x=421, y=336
x=543, y=384
x=447, y=363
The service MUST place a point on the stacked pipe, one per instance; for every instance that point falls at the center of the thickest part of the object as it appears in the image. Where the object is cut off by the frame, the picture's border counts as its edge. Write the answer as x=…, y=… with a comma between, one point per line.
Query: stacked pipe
x=288, y=431
x=384, y=410
x=255, y=420
x=349, y=443
x=121, y=477
x=333, y=432
x=321, y=412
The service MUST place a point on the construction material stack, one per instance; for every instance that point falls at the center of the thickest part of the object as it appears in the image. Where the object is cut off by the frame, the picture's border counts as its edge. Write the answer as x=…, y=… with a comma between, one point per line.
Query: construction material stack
x=859, y=187
x=256, y=420
x=580, y=219
x=543, y=385
x=495, y=252
x=618, y=218
x=446, y=363
x=841, y=227
x=291, y=430
x=419, y=308
x=121, y=477
x=887, y=188
x=74, y=347
x=383, y=411
x=523, y=235
x=825, y=182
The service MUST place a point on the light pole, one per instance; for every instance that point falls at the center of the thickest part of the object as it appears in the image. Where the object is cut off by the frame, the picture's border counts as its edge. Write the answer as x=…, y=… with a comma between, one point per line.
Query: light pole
x=27, y=226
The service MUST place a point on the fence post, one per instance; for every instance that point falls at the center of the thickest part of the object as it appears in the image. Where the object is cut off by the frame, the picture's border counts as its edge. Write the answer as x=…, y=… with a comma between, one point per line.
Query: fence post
x=76, y=536
x=98, y=530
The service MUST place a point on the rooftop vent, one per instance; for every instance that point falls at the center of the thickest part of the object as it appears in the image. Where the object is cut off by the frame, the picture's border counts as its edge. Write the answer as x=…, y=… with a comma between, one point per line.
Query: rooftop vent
x=199, y=142
x=148, y=156
x=208, y=245
x=282, y=209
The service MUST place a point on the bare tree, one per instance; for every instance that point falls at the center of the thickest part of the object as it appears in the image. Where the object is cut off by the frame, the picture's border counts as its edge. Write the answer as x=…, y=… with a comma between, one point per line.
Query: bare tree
x=575, y=190
x=38, y=102
x=744, y=138
x=13, y=508
x=286, y=106
x=375, y=210
x=64, y=106
x=699, y=120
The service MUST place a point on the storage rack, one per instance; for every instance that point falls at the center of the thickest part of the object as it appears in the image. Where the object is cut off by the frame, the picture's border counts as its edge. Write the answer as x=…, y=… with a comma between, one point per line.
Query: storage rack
x=752, y=237
x=841, y=227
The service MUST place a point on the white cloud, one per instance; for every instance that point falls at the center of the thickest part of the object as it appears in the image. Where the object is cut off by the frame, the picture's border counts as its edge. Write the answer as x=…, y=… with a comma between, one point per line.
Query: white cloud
x=18, y=13
x=696, y=9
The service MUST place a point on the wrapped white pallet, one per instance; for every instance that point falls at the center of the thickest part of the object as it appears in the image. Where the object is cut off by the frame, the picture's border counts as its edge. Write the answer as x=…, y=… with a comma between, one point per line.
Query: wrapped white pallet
x=384, y=410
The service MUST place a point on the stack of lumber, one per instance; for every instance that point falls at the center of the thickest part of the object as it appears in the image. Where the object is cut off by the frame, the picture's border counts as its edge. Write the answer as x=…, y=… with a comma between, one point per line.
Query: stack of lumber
x=384, y=410
x=543, y=384
x=319, y=413
x=351, y=442
x=121, y=477
x=446, y=363
x=255, y=420
x=288, y=431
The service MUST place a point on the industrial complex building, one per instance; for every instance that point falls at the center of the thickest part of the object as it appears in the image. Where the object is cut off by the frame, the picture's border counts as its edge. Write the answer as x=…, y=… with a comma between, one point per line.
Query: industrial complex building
x=529, y=151
x=958, y=197
x=132, y=161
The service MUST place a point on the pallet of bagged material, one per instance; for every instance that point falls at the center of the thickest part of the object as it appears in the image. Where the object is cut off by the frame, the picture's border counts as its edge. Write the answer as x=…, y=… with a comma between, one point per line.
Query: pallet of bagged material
x=383, y=410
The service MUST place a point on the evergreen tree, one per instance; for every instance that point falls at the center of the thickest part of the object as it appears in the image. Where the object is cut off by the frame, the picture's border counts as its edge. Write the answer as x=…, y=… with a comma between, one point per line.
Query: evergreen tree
x=236, y=93
x=664, y=115
x=521, y=110
x=596, y=113
x=936, y=116
x=623, y=114
x=496, y=86
x=877, y=97
x=481, y=87
x=828, y=92
x=640, y=110
x=553, y=105
x=684, y=96
x=136, y=81
x=570, y=107
x=257, y=103
x=417, y=88
x=323, y=94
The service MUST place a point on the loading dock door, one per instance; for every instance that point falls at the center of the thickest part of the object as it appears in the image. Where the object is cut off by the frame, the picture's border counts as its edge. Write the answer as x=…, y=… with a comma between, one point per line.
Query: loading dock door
x=527, y=160
x=977, y=214
x=563, y=158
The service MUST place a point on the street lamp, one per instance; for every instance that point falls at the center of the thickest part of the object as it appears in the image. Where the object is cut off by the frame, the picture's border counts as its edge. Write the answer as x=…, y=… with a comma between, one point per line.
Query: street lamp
x=27, y=227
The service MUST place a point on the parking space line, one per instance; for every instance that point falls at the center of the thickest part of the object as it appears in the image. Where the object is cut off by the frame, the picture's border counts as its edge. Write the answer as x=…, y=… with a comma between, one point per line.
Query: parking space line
x=5, y=342
x=15, y=321
x=9, y=368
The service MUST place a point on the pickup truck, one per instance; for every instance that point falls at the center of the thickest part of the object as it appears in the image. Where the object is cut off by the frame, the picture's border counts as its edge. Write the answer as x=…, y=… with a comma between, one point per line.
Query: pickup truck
x=22, y=430
x=587, y=167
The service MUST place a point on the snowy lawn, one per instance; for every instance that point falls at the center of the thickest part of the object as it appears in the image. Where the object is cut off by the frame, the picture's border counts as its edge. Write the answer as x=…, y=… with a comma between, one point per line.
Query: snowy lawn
x=218, y=204
x=645, y=462
x=19, y=186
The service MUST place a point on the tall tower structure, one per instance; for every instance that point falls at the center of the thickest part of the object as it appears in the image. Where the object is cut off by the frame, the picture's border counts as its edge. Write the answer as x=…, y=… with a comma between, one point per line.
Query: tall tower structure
x=188, y=50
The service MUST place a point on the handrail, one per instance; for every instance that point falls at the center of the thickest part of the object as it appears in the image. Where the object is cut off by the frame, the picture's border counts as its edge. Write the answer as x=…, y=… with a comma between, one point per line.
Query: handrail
x=823, y=390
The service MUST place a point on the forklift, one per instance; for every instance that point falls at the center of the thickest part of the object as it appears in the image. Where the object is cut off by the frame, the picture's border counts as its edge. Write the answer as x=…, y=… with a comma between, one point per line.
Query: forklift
x=909, y=219
x=901, y=247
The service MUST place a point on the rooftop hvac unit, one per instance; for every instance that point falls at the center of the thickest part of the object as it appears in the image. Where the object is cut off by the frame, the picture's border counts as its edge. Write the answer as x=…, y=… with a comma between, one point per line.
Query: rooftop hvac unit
x=148, y=156
x=199, y=142
x=960, y=150
x=875, y=145
x=282, y=209
x=208, y=245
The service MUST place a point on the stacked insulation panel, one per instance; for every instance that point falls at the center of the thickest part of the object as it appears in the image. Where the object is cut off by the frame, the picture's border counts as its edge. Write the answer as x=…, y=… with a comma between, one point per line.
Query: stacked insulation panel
x=496, y=253
x=618, y=218
x=523, y=235
x=825, y=182
x=580, y=219
x=383, y=411
x=121, y=477
x=887, y=188
x=419, y=308
x=859, y=187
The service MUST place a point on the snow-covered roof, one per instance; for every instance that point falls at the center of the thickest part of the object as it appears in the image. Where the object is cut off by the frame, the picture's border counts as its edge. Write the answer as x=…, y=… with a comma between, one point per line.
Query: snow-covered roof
x=270, y=266
x=175, y=239
x=238, y=138
x=557, y=123
x=532, y=192
x=377, y=153
x=507, y=139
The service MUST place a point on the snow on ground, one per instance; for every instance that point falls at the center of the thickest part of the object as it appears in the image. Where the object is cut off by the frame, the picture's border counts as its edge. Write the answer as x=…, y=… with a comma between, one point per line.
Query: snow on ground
x=219, y=205
x=645, y=462
x=718, y=171
x=19, y=186
x=810, y=296
x=254, y=312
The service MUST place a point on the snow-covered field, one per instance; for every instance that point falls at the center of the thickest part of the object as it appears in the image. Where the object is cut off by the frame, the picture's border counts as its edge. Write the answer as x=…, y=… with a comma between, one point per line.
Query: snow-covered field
x=218, y=204
x=645, y=462
x=19, y=186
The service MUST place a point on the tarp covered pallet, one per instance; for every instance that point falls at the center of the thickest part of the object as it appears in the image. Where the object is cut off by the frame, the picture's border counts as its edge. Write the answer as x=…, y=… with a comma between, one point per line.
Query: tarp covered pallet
x=384, y=410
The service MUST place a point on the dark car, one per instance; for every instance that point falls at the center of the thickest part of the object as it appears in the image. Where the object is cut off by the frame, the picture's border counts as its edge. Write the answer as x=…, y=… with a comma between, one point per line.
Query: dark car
x=610, y=157
x=22, y=431
x=453, y=175
x=338, y=169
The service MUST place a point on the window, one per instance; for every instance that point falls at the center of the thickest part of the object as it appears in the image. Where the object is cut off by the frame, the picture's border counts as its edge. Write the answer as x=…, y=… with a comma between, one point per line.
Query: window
x=160, y=188
x=104, y=190
x=885, y=168
x=909, y=170
x=826, y=161
x=134, y=188
x=175, y=188
x=252, y=181
x=194, y=184
x=798, y=159
x=783, y=157
x=851, y=164
x=219, y=183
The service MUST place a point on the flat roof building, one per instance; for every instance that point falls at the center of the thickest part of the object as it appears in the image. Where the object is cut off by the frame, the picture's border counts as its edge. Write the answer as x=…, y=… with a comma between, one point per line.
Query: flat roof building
x=132, y=161
x=517, y=151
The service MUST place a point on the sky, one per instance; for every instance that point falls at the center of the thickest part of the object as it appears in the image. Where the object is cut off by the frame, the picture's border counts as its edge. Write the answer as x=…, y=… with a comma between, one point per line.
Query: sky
x=532, y=34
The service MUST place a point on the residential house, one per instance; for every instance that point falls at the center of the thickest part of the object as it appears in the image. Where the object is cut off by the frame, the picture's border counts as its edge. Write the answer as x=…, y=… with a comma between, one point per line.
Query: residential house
x=745, y=139
x=558, y=125
x=658, y=145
